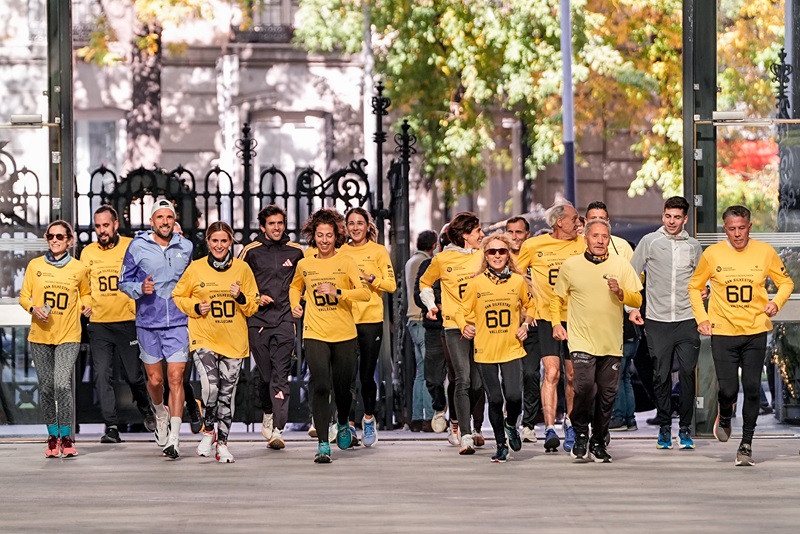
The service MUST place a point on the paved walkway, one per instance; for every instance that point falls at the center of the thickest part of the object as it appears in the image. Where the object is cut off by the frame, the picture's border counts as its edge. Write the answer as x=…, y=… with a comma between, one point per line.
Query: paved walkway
x=402, y=485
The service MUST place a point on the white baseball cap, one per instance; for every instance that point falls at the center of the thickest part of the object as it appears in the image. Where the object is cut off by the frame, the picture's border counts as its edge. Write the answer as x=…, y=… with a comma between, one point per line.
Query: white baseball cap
x=160, y=204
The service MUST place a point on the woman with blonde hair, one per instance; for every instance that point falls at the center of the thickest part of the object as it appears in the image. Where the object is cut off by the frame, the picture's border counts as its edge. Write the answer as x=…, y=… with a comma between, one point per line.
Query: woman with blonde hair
x=489, y=314
x=55, y=291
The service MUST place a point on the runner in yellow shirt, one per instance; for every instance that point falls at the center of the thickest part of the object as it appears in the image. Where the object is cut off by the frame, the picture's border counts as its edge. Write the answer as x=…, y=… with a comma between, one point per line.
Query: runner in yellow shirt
x=738, y=318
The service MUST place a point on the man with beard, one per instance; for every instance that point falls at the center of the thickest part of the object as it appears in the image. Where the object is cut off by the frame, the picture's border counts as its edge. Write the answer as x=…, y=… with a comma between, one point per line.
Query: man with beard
x=112, y=328
x=153, y=264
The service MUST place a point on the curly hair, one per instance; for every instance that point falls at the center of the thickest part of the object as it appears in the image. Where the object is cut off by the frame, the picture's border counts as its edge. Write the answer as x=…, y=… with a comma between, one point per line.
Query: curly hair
x=512, y=265
x=372, y=230
x=324, y=216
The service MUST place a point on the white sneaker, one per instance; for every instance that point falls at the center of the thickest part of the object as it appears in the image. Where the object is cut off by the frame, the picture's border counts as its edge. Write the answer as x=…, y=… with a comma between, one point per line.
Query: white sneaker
x=206, y=446
x=477, y=438
x=439, y=422
x=224, y=456
x=452, y=435
x=266, y=426
x=332, y=433
x=528, y=435
x=312, y=431
x=172, y=449
x=276, y=441
x=162, y=428
x=467, y=446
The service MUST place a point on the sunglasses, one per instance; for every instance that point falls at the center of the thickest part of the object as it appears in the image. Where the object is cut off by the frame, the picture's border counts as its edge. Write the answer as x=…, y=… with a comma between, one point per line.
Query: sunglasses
x=57, y=237
x=496, y=251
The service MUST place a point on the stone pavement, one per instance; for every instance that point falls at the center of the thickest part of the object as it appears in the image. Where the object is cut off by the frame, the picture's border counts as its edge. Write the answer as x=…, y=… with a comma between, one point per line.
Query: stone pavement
x=402, y=484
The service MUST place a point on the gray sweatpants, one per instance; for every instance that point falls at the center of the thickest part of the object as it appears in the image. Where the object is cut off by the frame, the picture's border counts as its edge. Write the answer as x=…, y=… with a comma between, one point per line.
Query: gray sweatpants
x=218, y=377
x=54, y=366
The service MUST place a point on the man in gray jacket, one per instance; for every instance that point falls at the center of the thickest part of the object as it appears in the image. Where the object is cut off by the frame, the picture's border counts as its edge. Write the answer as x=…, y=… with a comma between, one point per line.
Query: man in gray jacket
x=670, y=257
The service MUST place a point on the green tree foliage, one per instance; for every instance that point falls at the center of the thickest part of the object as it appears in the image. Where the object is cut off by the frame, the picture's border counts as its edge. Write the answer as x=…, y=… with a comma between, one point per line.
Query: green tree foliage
x=453, y=66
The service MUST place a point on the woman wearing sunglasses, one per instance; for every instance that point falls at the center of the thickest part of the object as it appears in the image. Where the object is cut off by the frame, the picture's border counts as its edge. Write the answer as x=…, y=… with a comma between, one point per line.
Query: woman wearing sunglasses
x=489, y=314
x=218, y=293
x=55, y=291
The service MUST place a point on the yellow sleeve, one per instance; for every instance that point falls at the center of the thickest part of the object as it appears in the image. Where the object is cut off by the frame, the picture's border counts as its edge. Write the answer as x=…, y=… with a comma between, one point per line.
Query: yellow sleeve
x=296, y=287
x=466, y=307
x=85, y=290
x=386, y=280
x=777, y=271
x=631, y=287
x=696, y=285
x=250, y=290
x=528, y=301
x=524, y=258
x=361, y=291
x=182, y=294
x=559, y=297
x=26, y=293
x=430, y=275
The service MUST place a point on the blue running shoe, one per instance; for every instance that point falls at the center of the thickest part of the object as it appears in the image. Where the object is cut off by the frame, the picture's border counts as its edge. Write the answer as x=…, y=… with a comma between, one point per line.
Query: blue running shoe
x=323, y=455
x=370, y=435
x=685, y=438
x=514, y=439
x=343, y=436
x=353, y=437
x=569, y=438
x=664, y=438
x=551, y=441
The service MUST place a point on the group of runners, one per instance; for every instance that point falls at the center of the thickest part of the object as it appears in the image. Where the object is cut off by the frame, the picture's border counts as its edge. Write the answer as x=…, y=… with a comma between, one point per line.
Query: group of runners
x=498, y=311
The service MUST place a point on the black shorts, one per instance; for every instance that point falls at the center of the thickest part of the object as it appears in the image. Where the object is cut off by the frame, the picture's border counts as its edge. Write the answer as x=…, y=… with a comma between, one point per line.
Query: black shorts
x=547, y=344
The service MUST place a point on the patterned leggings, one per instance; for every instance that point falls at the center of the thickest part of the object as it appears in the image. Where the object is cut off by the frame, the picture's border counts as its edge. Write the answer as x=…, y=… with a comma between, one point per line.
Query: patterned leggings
x=218, y=377
x=54, y=365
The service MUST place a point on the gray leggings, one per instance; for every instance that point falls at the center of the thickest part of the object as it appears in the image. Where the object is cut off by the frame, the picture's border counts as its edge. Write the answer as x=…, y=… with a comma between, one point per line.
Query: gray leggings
x=218, y=377
x=468, y=378
x=54, y=366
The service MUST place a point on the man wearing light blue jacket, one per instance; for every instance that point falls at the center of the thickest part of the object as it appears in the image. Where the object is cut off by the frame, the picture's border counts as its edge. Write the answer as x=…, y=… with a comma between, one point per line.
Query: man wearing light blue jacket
x=153, y=264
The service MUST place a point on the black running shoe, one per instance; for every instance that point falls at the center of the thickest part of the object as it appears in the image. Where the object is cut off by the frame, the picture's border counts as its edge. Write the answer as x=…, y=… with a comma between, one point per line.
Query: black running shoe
x=514, y=440
x=722, y=428
x=579, y=448
x=149, y=420
x=196, y=417
x=598, y=453
x=111, y=436
x=501, y=456
x=744, y=456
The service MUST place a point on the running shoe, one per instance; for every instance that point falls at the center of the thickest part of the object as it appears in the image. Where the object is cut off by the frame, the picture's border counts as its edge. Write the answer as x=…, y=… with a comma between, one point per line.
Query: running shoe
x=477, y=438
x=196, y=417
x=68, y=447
x=551, y=441
x=312, y=431
x=452, y=435
x=632, y=426
x=514, y=440
x=224, y=456
x=617, y=425
x=744, y=456
x=685, y=438
x=439, y=422
x=323, y=455
x=579, y=448
x=172, y=449
x=149, y=420
x=206, y=446
x=664, y=438
x=53, y=449
x=569, y=438
x=528, y=435
x=722, y=428
x=276, y=441
x=370, y=433
x=111, y=436
x=343, y=437
x=353, y=437
x=501, y=455
x=598, y=453
x=467, y=446
x=266, y=426
x=332, y=432
x=162, y=428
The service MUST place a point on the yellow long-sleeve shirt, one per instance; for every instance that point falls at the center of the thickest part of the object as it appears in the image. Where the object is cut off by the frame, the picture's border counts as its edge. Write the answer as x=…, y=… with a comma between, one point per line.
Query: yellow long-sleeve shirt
x=494, y=309
x=594, y=314
x=738, y=294
x=372, y=258
x=620, y=247
x=454, y=268
x=224, y=328
x=544, y=255
x=328, y=318
x=65, y=289
x=109, y=304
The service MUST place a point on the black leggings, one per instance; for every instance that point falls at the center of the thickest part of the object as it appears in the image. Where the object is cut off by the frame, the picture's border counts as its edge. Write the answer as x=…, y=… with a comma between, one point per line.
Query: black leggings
x=502, y=381
x=331, y=366
x=369, y=350
x=730, y=353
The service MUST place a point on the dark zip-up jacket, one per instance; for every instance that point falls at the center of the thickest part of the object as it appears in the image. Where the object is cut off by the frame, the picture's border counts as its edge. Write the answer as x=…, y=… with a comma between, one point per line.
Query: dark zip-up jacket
x=273, y=263
x=437, y=295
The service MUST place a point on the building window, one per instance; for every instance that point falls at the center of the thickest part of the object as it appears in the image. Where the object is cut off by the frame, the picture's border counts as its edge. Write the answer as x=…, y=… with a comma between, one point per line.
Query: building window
x=97, y=142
